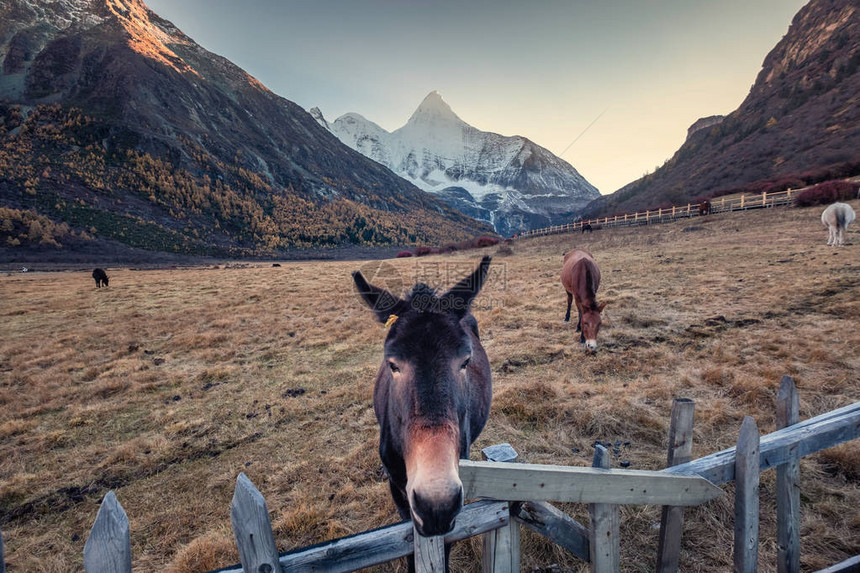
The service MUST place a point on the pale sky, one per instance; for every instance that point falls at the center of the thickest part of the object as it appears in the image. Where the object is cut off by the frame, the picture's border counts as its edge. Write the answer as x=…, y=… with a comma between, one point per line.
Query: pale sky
x=543, y=69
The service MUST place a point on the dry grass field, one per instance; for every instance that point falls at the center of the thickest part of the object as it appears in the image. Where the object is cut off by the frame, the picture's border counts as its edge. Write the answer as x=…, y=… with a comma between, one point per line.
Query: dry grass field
x=167, y=384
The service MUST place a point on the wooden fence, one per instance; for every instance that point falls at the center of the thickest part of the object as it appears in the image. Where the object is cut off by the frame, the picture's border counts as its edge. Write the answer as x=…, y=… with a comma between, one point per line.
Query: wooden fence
x=526, y=490
x=650, y=217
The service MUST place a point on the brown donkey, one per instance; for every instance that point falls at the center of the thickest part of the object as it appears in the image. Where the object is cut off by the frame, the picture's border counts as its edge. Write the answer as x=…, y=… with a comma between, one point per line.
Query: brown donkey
x=431, y=397
x=580, y=276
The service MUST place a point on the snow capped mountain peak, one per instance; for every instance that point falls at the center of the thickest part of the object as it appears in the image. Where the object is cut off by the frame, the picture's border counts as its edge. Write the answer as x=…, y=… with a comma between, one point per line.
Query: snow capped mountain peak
x=354, y=117
x=434, y=109
x=510, y=182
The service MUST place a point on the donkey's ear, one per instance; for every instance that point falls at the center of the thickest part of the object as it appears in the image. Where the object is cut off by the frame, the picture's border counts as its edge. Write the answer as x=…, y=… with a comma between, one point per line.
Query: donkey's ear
x=461, y=295
x=381, y=302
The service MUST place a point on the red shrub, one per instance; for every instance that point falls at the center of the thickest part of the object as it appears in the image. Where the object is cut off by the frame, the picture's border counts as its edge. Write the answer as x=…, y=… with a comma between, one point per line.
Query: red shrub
x=826, y=193
x=404, y=254
x=784, y=183
x=422, y=251
x=722, y=192
x=485, y=241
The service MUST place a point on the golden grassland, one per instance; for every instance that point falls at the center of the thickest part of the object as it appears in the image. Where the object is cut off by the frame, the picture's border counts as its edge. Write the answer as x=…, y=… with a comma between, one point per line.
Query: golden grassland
x=167, y=384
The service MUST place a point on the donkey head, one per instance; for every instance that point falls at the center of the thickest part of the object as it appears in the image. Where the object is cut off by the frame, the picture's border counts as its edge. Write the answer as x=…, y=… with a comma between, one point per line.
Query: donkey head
x=422, y=399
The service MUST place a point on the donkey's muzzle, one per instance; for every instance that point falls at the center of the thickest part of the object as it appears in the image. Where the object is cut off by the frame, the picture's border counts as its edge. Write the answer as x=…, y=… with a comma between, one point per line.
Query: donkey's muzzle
x=435, y=515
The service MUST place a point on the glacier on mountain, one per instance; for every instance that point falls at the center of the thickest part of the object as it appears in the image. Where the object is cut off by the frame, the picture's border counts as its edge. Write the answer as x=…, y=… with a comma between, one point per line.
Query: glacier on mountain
x=510, y=182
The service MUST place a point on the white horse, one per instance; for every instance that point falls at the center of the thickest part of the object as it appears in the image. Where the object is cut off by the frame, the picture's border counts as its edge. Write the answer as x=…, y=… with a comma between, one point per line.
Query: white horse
x=837, y=218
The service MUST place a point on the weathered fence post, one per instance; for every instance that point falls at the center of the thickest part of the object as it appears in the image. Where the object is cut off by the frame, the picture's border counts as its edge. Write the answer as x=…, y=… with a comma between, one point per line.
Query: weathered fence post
x=502, y=549
x=680, y=451
x=787, y=486
x=429, y=553
x=501, y=546
x=746, y=498
x=605, y=543
x=252, y=528
x=108, y=547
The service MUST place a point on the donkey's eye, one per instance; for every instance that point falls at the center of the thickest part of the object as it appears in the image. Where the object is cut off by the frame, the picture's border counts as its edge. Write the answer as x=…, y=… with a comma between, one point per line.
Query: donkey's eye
x=465, y=363
x=393, y=367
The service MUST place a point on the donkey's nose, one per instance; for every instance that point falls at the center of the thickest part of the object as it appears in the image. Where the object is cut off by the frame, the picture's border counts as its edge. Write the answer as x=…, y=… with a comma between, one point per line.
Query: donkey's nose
x=435, y=515
x=591, y=345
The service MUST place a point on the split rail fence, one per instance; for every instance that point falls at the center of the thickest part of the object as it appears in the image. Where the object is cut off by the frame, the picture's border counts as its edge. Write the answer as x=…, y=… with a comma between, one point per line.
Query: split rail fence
x=527, y=490
x=664, y=215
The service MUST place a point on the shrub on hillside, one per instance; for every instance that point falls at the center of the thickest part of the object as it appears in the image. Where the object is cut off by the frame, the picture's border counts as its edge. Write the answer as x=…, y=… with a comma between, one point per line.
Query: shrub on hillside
x=835, y=171
x=476, y=243
x=485, y=241
x=28, y=228
x=795, y=180
x=826, y=193
x=782, y=184
x=404, y=254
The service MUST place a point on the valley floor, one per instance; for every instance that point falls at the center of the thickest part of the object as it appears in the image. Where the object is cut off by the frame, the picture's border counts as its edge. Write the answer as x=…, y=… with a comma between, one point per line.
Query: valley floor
x=167, y=384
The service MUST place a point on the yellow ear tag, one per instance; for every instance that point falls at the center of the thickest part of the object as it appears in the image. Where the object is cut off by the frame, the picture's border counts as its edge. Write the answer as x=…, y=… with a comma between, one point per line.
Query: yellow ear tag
x=391, y=320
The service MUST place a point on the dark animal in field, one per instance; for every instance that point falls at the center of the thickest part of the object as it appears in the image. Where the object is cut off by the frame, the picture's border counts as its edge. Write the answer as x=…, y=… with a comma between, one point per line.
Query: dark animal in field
x=705, y=207
x=100, y=277
x=580, y=276
x=276, y=264
x=431, y=396
x=836, y=218
x=587, y=228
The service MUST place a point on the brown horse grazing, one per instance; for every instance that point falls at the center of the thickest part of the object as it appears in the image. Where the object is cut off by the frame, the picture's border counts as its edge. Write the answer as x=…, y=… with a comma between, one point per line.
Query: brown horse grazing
x=705, y=207
x=431, y=397
x=580, y=276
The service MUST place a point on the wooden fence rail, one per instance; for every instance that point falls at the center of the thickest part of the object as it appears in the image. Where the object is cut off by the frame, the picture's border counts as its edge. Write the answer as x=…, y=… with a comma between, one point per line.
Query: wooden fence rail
x=527, y=488
x=663, y=215
x=783, y=446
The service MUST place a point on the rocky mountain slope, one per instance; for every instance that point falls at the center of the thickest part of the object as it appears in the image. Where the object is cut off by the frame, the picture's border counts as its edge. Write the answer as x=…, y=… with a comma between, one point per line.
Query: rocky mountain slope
x=802, y=114
x=510, y=182
x=114, y=121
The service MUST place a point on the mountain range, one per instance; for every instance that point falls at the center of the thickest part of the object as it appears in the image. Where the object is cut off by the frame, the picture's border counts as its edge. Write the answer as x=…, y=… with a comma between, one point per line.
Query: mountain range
x=116, y=124
x=119, y=132
x=802, y=114
x=510, y=182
